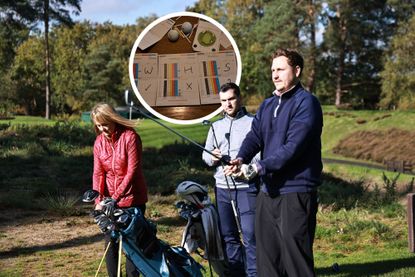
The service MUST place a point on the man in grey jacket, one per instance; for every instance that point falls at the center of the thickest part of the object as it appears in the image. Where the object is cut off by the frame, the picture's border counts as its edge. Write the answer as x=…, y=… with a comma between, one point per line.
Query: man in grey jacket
x=225, y=138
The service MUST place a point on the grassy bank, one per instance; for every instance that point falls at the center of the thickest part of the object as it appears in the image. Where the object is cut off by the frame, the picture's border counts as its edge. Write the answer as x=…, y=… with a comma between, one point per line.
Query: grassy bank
x=339, y=124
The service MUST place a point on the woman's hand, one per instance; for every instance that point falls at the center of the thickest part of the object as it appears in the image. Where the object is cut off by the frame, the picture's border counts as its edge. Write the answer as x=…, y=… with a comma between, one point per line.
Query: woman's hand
x=98, y=207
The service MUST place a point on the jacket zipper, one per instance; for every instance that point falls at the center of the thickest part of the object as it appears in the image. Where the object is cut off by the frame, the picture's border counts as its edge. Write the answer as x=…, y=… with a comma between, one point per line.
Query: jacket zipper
x=113, y=166
x=229, y=138
x=276, y=109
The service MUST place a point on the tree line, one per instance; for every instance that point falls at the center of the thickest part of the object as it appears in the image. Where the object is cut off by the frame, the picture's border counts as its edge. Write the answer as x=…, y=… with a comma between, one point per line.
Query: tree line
x=358, y=54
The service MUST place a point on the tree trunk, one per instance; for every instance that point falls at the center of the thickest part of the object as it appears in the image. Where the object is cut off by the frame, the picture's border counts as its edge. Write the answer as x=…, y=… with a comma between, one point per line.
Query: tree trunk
x=47, y=57
x=313, y=54
x=339, y=78
x=342, y=51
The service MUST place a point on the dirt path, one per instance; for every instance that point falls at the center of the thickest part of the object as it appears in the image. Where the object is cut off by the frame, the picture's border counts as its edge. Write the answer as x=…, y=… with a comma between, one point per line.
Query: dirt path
x=35, y=244
x=361, y=164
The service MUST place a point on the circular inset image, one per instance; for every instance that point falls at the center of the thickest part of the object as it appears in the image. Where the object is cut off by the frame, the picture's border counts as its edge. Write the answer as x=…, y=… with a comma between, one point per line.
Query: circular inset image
x=178, y=64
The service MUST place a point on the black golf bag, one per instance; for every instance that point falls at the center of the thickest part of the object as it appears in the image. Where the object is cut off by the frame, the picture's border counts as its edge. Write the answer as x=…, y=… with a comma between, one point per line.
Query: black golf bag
x=202, y=229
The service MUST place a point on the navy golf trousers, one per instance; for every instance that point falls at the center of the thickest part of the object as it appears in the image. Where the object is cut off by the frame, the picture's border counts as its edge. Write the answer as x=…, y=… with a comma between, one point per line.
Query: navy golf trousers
x=241, y=258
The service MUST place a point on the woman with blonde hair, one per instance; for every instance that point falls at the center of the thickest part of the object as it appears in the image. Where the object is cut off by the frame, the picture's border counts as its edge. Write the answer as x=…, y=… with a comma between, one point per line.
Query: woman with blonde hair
x=117, y=170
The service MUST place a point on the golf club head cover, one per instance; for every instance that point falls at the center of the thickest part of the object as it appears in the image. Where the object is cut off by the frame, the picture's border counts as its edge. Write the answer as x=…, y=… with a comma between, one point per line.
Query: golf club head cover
x=249, y=171
x=90, y=195
x=187, y=210
x=103, y=221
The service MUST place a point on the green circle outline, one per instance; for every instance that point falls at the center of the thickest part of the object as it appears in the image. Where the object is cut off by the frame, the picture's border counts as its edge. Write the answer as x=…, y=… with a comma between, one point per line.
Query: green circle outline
x=206, y=38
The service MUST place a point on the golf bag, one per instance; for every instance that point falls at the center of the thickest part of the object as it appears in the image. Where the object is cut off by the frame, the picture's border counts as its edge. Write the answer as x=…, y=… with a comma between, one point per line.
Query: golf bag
x=202, y=229
x=151, y=256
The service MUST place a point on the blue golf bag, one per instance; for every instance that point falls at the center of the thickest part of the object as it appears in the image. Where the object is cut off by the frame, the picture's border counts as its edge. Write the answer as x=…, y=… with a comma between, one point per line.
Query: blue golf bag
x=151, y=256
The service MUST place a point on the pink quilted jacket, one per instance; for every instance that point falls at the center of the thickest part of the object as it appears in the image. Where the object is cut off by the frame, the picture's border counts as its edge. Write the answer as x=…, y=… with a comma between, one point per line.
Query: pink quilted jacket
x=117, y=168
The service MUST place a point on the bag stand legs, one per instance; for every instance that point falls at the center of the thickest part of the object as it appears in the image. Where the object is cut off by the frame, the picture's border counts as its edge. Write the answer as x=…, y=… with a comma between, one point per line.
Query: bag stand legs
x=119, y=256
x=103, y=257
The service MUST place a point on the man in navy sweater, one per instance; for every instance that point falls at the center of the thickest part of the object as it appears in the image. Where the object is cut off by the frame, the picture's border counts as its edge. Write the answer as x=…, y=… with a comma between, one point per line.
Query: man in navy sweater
x=286, y=130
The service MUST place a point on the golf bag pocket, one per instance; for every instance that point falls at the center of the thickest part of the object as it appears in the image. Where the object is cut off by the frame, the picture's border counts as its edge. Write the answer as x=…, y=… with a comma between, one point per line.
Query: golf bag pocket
x=142, y=233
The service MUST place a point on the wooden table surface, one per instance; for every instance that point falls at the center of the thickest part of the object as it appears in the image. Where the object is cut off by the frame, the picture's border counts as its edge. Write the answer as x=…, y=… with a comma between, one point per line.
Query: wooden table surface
x=165, y=46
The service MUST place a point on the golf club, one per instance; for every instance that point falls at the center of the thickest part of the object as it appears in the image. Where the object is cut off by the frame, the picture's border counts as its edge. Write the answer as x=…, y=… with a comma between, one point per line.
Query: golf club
x=233, y=203
x=118, y=212
x=224, y=159
x=89, y=196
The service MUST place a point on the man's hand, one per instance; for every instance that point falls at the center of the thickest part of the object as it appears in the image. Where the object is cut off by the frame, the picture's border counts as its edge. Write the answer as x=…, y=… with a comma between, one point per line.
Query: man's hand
x=234, y=167
x=217, y=156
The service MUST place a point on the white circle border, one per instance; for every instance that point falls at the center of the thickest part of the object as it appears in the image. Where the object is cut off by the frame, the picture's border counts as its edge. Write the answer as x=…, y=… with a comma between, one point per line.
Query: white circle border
x=146, y=30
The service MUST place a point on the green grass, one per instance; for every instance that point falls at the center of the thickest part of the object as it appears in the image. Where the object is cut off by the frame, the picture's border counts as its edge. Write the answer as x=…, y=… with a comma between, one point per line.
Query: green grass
x=29, y=120
x=337, y=125
x=154, y=135
x=151, y=133
x=363, y=243
x=368, y=175
x=356, y=229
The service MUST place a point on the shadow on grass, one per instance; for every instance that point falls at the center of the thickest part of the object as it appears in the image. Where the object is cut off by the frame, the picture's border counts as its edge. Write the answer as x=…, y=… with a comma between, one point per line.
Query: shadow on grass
x=369, y=269
x=18, y=251
x=176, y=221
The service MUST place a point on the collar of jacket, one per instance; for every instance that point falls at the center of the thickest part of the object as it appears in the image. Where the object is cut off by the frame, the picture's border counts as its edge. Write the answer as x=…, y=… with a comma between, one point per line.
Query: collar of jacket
x=290, y=92
x=117, y=133
x=242, y=111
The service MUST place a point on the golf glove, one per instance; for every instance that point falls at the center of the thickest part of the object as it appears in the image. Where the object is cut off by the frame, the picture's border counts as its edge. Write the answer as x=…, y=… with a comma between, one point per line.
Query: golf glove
x=108, y=206
x=249, y=171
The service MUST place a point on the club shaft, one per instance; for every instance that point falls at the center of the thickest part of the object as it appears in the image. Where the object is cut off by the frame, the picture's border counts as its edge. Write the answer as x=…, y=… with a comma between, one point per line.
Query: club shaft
x=233, y=204
x=178, y=134
x=235, y=213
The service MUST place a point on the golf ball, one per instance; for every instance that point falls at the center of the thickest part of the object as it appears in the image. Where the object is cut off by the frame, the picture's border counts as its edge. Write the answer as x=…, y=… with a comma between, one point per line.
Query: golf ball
x=173, y=35
x=187, y=28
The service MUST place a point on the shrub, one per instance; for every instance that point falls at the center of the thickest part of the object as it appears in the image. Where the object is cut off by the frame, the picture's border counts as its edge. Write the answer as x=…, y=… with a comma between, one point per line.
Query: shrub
x=62, y=203
x=340, y=194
